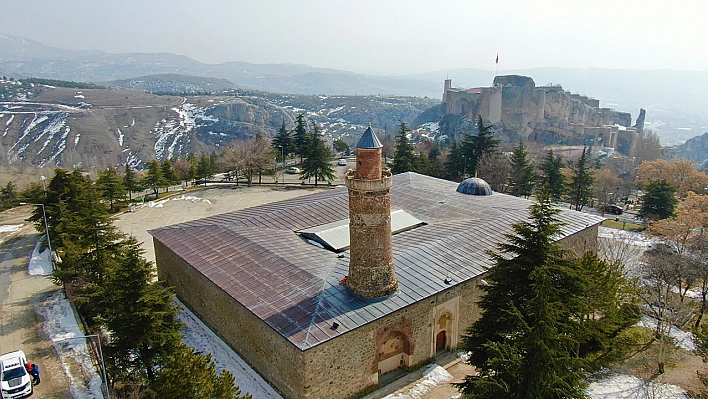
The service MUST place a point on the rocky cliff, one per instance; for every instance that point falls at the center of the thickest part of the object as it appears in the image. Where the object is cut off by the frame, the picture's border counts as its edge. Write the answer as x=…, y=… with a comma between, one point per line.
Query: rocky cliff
x=44, y=125
x=695, y=149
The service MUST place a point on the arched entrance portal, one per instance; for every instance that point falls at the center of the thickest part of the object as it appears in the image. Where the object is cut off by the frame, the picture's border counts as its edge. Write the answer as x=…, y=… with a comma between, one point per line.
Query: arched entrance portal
x=440, y=341
x=393, y=353
x=443, y=336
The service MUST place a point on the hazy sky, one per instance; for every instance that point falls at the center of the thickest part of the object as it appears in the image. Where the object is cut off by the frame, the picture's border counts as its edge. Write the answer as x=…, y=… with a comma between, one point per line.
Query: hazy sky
x=379, y=36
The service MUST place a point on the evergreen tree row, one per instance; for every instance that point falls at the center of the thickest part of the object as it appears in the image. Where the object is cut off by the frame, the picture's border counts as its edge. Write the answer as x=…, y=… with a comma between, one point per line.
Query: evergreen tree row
x=105, y=274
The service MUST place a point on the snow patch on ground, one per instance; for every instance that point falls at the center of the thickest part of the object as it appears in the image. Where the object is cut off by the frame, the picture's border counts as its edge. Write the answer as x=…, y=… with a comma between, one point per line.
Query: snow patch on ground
x=76, y=139
x=39, y=264
x=63, y=331
x=200, y=337
x=191, y=198
x=682, y=339
x=10, y=228
x=120, y=138
x=620, y=386
x=170, y=132
x=433, y=376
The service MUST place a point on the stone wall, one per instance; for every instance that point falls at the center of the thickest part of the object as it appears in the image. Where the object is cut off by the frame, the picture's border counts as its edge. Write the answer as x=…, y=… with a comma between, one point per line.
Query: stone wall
x=348, y=366
x=582, y=241
x=271, y=355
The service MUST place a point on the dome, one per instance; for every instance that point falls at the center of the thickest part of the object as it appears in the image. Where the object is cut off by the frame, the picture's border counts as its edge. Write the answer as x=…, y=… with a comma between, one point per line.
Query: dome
x=474, y=186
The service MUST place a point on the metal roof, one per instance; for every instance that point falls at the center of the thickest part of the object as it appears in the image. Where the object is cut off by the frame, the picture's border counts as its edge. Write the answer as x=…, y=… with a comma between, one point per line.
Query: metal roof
x=335, y=236
x=255, y=255
x=369, y=140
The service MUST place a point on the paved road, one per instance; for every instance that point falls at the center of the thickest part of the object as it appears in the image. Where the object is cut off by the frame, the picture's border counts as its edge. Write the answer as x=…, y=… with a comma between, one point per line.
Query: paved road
x=20, y=293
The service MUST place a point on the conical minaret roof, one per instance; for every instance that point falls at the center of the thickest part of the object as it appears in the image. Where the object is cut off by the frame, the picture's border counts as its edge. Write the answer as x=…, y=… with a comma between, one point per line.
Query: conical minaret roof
x=369, y=140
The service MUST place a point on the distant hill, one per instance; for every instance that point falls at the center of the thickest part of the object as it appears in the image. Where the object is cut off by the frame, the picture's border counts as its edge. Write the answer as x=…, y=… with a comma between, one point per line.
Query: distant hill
x=695, y=149
x=46, y=123
x=175, y=84
x=674, y=100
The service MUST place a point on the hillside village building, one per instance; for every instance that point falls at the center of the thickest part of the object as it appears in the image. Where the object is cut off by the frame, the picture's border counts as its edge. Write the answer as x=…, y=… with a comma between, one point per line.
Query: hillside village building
x=549, y=113
x=323, y=294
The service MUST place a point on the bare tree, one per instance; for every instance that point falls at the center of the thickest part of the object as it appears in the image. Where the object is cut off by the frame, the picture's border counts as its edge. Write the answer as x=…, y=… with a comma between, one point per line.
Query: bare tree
x=248, y=157
x=657, y=293
x=605, y=188
x=495, y=169
x=621, y=246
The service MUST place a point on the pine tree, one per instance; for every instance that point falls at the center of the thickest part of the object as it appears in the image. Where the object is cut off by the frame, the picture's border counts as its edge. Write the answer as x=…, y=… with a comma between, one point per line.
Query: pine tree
x=111, y=185
x=130, y=181
x=154, y=178
x=189, y=375
x=141, y=316
x=476, y=147
x=522, y=344
x=454, y=163
x=580, y=185
x=204, y=169
x=404, y=160
x=301, y=136
x=552, y=175
x=283, y=141
x=522, y=172
x=317, y=163
x=659, y=200
x=169, y=174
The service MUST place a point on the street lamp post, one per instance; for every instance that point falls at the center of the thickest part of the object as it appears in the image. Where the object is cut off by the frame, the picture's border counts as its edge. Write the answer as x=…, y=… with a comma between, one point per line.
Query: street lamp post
x=46, y=230
x=282, y=154
x=464, y=170
x=100, y=355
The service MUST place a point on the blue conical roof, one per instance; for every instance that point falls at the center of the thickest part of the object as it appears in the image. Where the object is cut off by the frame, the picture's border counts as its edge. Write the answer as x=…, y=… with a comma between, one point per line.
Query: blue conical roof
x=369, y=140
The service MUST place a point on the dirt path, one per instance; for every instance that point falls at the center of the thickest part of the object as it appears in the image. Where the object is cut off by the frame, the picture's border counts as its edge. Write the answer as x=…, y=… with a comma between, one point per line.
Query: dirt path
x=20, y=293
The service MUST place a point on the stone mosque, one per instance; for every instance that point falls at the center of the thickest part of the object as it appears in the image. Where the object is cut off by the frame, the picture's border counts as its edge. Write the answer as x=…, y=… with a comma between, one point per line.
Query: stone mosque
x=327, y=294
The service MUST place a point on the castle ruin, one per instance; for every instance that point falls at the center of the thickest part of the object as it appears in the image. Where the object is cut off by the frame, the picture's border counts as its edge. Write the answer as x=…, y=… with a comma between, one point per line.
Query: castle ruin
x=546, y=113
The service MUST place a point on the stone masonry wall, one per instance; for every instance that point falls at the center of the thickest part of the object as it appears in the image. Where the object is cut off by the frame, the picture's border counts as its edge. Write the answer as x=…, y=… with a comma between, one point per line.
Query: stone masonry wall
x=347, y=366
x=273, y=357
x=582, y=241
x=371, y=269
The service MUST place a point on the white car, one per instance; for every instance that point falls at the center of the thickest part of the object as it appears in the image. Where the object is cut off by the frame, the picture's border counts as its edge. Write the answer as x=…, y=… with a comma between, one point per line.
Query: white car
x=342, y=162
x=15, y=379
x=292, y=170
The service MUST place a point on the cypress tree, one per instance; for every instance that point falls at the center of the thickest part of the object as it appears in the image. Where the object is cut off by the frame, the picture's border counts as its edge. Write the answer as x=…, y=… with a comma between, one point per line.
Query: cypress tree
x=130, y=181
x=552, y=176
x=301, y=138
x=317, y=162
x=580, y=185
x=112, y=188
x=404, y=159
x=522, y=173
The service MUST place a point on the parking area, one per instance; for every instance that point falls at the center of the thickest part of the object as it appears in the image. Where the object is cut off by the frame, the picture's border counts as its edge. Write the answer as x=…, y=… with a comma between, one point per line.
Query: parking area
x=196, y=204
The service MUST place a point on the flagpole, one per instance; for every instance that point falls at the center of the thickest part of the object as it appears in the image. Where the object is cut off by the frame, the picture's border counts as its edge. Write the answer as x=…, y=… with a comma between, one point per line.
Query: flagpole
x=497, y=62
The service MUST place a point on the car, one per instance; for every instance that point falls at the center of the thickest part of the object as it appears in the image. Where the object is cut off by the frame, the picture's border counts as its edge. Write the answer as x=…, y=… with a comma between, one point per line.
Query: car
x=15, y=380
x=292, y=170
x=342, y=162
x=614, y=209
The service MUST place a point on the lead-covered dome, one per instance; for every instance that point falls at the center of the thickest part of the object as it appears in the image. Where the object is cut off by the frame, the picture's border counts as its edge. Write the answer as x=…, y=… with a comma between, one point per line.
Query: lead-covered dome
x=474, y=186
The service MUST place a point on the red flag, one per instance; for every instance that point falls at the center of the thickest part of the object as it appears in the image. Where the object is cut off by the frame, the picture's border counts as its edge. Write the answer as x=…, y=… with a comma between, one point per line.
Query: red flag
x=497, y=61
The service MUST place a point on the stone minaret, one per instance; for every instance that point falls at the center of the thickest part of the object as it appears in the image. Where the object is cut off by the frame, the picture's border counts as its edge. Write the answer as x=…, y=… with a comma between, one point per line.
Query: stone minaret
x=371, y=270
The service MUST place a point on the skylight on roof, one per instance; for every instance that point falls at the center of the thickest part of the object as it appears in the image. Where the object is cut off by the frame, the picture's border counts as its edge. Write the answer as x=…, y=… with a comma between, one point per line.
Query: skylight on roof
x=335, y=236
